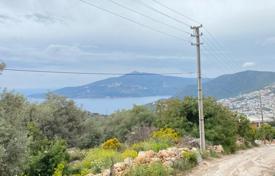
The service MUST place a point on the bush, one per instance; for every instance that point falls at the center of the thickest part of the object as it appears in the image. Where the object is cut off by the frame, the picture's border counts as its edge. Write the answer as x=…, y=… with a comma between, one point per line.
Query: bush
x=98, y=159
x=166, y=134
x=154, y=169
x=76, y=154
x=129, y=154
x=59, y=170
x=155, y=145
x=111, y=144
x=190, y=157
x=245, y=131
x=45, y=162
x=264, y=132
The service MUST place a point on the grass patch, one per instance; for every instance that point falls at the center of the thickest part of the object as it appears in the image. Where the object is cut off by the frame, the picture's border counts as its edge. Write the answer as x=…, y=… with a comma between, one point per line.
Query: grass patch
x=152, y=144
x=154, y=169
x=97, y=160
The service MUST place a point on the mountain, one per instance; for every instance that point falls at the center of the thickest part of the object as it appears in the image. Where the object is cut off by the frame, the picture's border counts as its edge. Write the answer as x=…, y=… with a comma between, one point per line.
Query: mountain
x=232, y=85
x=134, y=84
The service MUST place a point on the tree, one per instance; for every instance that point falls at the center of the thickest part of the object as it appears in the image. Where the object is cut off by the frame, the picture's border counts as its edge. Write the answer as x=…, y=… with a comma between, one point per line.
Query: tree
x=13, y=136
x=45, y=162
x=245, y=130
x=120, y=124
x=265, y=132
x=13, y=149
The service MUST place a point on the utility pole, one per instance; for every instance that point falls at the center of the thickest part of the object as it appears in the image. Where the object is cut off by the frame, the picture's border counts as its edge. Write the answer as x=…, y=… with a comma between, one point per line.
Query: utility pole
x=2, y=66
x=197, y=35
x=261, y=107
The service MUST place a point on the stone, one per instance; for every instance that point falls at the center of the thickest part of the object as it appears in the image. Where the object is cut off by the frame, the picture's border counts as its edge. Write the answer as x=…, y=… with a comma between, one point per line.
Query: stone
x=144, y=157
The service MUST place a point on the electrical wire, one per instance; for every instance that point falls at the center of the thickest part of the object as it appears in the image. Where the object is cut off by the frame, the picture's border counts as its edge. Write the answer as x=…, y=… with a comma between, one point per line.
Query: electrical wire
x=164, y=14
x=176, y=12
x=132, y=21
x=94, y=73
x=149, y=17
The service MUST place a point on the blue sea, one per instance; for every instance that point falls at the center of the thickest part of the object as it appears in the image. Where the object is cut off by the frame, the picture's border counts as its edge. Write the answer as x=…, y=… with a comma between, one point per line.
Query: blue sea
x=109, y=105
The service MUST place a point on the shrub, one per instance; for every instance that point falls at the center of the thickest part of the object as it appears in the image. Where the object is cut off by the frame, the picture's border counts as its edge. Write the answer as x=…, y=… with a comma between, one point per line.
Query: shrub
x=45, y=162
x=181, y=166
x=188, y=161
x=166, y=134
x=59, y=169
x=264, y=132
x=112, y=144
x=154, y=169
x=190, y=157
x=129, y=154
x=76, y=154
x=98, y=159
x=152, y=144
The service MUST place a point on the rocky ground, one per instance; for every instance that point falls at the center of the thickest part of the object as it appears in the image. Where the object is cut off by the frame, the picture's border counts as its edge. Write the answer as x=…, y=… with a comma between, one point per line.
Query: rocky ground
x=259, y=161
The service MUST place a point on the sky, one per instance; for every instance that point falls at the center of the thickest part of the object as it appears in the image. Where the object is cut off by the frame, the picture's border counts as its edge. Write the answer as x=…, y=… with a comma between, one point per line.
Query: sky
x=69, y=35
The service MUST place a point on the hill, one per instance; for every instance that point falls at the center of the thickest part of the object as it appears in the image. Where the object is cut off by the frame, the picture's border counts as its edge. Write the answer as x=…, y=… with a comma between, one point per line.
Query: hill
x=232, y=85
x=134, y=84
x=249, y=104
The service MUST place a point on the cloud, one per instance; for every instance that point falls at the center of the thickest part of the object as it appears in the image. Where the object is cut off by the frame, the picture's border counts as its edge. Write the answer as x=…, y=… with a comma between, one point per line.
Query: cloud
x=269, y=41
x=44, y=18
x=248, y=64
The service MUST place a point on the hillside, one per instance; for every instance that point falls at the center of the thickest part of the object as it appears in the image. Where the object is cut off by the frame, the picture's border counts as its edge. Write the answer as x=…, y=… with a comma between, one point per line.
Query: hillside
x=232, y=85
x=249, y=104
x=134, y=84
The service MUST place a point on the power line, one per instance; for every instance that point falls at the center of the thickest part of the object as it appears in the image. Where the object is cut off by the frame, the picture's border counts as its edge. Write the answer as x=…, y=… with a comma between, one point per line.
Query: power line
x=132, y=21
x=94, y=73
x=175, y=11
x=147, y=16
x=164, y=14
x=215, y=45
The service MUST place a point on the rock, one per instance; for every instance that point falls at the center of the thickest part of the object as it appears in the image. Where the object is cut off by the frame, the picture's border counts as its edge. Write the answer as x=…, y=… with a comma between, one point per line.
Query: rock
x=168, y=163
x=128, y=161
x=144, y=157
x=218, y=148
x=155, y=159
x=118, y=167
x=106, y=172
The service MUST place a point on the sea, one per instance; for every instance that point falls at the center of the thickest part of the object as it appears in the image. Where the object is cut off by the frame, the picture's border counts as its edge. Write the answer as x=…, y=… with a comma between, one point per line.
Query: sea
x=107, y=106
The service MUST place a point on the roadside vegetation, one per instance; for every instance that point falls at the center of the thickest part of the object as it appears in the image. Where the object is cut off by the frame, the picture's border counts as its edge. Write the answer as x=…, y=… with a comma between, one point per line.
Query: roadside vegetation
x=58, y=138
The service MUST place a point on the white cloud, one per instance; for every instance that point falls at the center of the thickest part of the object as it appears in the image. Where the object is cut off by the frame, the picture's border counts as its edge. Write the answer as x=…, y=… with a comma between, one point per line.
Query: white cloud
x=248, y=64
x=269, y=41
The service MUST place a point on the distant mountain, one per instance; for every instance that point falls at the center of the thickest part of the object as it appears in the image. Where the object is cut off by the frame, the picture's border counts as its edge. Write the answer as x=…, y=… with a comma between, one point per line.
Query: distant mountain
x=232, y=85
x=134, y=84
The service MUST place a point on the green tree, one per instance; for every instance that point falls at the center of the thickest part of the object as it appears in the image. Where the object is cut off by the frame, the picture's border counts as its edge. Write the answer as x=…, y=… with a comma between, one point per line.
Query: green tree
x=245, y=130
x=13, y=136
x=265, y=132
x=45, y=162
x=122, y=123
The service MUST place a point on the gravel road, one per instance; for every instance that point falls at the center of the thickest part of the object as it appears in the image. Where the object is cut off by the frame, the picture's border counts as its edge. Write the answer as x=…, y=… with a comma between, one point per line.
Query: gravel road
x=259, y=161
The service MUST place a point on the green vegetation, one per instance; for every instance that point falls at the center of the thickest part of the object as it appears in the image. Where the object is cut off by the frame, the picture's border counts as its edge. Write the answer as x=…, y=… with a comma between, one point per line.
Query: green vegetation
x=58, y=138
x=152, y=144
x=265, y=132
x=154, y=169
x=111, y=144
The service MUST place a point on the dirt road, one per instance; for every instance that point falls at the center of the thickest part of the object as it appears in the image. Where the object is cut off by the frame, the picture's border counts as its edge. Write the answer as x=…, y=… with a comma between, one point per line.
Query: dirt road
x=258, y=161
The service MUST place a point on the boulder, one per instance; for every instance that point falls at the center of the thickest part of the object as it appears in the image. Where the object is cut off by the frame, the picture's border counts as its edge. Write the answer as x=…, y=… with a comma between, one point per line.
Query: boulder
x=144, y=157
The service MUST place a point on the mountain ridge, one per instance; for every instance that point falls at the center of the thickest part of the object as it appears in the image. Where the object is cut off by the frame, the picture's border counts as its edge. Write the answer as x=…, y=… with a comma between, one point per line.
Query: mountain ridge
x=134, y=84
x=231, y=85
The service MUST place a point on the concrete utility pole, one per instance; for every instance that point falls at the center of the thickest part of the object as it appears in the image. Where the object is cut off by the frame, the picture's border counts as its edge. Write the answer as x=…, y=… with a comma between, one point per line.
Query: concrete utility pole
x=261, y=107
x=2, y=66
x=197, y=35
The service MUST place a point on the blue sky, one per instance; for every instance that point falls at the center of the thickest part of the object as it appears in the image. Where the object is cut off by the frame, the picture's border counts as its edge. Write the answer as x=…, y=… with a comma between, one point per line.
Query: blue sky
x=67, y=35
